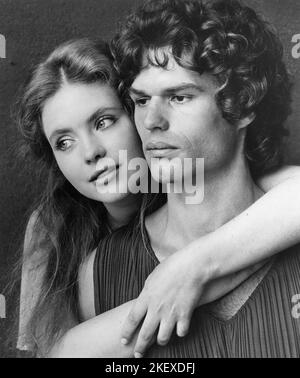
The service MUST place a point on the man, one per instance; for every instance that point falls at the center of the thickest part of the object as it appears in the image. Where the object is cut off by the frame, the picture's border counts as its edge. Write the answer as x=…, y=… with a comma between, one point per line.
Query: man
x=207, y=81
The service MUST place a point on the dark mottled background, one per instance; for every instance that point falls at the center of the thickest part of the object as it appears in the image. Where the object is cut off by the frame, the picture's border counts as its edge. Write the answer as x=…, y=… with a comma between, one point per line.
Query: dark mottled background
x=32, y=29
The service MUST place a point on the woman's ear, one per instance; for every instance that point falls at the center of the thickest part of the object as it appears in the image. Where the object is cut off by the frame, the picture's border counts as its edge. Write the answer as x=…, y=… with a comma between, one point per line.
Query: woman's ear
x=246, y=121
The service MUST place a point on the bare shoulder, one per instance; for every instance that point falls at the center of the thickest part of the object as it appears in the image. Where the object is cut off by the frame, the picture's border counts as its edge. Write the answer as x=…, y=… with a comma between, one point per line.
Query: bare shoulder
x=86, y=288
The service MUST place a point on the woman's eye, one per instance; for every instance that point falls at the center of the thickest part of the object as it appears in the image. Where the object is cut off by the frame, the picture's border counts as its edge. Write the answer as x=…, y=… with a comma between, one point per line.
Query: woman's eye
x=104, y=122
x=63, y=144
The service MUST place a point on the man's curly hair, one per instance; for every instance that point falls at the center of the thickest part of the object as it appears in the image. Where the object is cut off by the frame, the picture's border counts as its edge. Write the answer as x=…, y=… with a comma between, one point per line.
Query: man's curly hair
x=227, y=40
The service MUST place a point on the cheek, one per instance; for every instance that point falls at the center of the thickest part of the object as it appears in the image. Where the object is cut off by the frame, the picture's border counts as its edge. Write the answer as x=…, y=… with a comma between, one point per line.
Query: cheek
x=207, y=132
x=138, y=120
x=130, y=141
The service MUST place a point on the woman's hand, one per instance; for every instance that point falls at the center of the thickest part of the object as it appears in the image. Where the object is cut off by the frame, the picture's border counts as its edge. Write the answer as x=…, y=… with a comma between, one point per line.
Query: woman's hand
x=171, y=293
x=169, y=297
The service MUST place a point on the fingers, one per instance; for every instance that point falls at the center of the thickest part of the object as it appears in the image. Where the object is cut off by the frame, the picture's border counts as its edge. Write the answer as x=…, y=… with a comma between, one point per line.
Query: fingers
x=183, y=326
x=165, y=332
x=133, y=320
x=146, y=336
x=166, y=327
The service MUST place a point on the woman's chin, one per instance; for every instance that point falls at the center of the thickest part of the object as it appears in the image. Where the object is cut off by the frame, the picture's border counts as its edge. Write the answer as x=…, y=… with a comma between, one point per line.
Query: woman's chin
x=111, y=197
x=106, y=193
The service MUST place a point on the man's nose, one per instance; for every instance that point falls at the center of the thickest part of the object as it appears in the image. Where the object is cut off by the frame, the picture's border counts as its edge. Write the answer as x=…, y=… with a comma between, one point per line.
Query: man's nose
x=156, y=117
x=93, y=150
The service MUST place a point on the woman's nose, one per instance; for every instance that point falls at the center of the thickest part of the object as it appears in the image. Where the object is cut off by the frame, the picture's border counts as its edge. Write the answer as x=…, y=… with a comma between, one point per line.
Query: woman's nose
x=93, y=150
x=156, y=117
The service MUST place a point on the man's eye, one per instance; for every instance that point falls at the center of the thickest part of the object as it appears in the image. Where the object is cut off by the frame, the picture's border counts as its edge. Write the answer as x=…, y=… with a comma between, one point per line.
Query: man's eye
x=104, y=122
x=63, y=144
x=141, y=101
x=180, y=99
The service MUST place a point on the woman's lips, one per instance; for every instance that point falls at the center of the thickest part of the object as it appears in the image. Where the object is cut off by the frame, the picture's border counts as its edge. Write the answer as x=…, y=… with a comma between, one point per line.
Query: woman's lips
x=107, y=175
x=103, y=173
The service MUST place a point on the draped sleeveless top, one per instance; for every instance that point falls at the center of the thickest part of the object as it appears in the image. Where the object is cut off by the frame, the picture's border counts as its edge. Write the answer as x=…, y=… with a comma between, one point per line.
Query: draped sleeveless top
x=267, y=325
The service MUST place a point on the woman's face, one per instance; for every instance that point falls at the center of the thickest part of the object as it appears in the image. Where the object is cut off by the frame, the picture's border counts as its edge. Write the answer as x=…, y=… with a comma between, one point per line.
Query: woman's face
x=87, y=127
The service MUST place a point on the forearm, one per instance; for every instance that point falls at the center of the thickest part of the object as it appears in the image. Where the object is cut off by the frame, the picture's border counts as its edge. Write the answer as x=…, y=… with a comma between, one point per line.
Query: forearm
x=270, y=225
x=96, y=338
x=220, y=287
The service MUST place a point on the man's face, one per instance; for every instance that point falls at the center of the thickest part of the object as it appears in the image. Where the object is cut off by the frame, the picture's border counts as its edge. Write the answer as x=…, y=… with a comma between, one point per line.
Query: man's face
x=176, y=116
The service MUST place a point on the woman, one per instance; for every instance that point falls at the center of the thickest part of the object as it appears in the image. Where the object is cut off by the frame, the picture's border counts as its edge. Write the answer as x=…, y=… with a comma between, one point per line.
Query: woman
x=72, y=120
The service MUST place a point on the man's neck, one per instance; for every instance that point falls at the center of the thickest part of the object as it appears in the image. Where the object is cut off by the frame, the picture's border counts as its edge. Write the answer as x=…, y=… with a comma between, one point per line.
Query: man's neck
x=120, y=213
x=226, y=194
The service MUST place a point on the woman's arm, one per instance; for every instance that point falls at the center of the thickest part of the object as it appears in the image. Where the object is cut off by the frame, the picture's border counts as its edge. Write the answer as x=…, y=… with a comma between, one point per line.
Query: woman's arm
x=269, y=226
x=271, y=180
x=99, y=337
x=96, y=336
x=175, y=287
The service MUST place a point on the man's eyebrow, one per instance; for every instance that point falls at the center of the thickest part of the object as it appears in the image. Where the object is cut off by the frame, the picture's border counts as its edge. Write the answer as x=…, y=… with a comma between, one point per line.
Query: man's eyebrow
x=136, y=92
x=169, y=90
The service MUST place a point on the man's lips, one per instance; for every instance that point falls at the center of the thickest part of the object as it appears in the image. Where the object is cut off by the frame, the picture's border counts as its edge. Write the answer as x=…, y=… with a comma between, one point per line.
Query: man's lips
x=103, y=172
x=154, y=146
x=159, y=149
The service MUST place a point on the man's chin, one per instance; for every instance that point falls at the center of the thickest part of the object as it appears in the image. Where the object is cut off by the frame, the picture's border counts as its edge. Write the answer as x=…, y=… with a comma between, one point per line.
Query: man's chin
x=165, y=179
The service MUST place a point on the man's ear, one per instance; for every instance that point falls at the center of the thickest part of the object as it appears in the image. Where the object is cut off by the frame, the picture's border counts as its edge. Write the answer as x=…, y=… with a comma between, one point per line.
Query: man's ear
x=246, y=121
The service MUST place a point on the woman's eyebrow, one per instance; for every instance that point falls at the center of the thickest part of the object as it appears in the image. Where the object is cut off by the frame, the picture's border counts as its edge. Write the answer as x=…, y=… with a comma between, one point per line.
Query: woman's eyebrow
x=99, y=112
x=58, y=132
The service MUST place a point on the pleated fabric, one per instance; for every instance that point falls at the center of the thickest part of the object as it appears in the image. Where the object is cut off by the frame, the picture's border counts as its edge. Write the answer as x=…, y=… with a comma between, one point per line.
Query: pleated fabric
x=264, y=327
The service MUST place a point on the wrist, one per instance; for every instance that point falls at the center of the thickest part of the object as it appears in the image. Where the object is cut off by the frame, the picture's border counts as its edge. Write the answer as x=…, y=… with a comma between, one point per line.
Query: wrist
x=206, y=263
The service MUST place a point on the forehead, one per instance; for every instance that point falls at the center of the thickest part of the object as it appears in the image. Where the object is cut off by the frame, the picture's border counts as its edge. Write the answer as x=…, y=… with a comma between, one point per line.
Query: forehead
x=73, y=104
x=82, y=97
x=159, y=77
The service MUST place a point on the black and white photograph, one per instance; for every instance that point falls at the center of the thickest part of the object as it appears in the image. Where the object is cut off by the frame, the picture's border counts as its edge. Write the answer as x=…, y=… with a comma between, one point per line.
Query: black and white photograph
x=150, y=181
